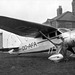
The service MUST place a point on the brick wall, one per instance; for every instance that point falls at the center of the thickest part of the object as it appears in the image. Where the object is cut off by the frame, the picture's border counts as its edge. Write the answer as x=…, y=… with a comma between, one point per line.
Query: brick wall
x=64, y=24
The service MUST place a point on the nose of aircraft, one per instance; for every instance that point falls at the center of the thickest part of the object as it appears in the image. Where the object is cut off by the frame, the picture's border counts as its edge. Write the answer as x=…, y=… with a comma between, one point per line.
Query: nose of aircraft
x=69, y=38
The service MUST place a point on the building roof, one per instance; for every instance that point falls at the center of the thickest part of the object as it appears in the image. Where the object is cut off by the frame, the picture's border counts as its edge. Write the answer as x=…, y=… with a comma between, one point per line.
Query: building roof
x=67, y=16
x=48, y=22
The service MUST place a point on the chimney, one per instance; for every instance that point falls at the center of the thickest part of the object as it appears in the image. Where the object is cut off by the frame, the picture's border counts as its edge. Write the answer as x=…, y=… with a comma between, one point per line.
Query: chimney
x=73, y=7
x=59, y=11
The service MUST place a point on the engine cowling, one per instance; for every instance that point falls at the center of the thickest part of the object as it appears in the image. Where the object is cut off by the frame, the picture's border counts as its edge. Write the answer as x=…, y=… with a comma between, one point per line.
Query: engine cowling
x=69, y=38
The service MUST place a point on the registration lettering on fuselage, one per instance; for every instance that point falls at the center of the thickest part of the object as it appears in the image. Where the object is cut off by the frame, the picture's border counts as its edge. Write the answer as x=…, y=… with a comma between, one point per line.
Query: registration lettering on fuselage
x=29, y=46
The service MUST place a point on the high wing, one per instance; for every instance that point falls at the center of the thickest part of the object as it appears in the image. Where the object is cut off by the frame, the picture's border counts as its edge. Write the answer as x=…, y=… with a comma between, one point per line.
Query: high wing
x=24, y=28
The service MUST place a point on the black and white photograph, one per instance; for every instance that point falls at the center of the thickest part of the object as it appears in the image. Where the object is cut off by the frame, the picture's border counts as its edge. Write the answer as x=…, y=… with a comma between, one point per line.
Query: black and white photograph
x=37, y=37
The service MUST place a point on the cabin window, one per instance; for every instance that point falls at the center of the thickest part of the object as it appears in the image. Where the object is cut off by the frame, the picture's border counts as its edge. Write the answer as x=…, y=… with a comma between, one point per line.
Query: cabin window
x=52, y=34
x=44, y=37
x=56, y=33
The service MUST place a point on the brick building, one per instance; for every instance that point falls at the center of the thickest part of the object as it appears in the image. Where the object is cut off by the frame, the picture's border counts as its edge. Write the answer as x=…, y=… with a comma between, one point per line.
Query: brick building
x=63, y=20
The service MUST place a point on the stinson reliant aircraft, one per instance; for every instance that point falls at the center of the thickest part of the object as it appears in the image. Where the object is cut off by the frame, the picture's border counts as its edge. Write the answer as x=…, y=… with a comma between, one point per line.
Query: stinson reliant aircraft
x=42, y=38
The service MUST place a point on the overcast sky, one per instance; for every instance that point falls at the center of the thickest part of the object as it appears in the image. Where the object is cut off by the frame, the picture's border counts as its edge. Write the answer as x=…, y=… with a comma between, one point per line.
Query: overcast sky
x=33, y=10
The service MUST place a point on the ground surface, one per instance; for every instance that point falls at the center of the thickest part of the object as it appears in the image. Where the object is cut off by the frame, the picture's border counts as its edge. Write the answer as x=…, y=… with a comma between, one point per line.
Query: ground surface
x=34, y=64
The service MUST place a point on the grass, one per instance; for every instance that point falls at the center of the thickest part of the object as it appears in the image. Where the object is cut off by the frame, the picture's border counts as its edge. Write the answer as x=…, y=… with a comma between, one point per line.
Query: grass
x=34, y=64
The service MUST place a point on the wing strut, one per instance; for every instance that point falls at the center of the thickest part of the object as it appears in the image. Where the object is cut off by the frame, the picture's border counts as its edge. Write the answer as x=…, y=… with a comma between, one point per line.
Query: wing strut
x=47, y=38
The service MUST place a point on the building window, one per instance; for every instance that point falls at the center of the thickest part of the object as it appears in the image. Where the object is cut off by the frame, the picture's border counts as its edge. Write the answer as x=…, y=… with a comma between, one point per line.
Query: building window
x=68, y=24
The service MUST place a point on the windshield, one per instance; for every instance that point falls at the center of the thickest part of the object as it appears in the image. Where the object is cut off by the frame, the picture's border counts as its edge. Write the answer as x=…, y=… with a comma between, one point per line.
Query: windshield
x=63, y=30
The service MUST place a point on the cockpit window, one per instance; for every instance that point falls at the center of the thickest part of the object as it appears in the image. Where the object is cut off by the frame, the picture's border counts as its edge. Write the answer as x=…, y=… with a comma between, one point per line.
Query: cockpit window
x=58, y=32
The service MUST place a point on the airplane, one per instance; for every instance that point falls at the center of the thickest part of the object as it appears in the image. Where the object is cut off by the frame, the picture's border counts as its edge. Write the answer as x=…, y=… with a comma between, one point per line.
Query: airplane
x=39, y=37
